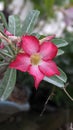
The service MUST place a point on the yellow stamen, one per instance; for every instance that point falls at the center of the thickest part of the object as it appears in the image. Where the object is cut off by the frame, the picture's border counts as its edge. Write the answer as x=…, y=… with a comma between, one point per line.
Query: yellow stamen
x=35, y=59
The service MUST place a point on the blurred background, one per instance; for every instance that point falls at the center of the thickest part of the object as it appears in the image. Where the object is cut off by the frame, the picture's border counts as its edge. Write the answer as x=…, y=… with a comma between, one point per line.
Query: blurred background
x=56, y=17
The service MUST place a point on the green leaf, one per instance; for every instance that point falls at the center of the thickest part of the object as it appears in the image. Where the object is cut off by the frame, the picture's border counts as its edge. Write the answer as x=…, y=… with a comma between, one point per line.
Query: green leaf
x=36, y=35
x=59, y=81
x=3, y=19
x=3, y=64
x=14, y=25
x=55, y=81
x=39, y=36
x=1, y=27
x=60, y=42
x=7, y=84
x=60, y=52
x=30, y=21
x=62, y=76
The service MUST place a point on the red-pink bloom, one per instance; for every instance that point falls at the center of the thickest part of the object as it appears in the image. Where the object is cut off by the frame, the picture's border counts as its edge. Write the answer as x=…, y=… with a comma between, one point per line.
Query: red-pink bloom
x=36, y=59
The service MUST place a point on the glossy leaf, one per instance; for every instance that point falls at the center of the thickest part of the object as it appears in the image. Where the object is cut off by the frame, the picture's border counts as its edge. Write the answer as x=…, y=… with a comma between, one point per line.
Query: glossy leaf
x=60, y=42
x=62, y=76
x=14, y=25
x=7, y=84
x=30, y=21
x=55, y=81
x=59, y=81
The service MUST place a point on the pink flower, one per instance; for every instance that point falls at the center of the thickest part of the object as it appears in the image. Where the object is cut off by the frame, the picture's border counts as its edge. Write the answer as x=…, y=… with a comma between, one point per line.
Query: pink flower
x=36, y=59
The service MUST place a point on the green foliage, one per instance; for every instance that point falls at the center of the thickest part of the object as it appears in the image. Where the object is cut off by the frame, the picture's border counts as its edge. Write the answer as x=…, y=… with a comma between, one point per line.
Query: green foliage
x=1, y=27
x=59, y=81
x=17, y=28
x=61, y=2
x=8, y=83
x=66, y=61
x=55, y=81
x=60, y=52
x=62, y=76
x=48, y=6
x=71, y=1
x=60, y=42
x=45, y=7
x=30, y=21
x=3, y=19
x=14, y=25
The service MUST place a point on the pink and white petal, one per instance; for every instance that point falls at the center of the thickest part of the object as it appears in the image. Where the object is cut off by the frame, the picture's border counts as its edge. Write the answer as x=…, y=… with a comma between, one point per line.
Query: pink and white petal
x=22, y=62
x=37, y=74
x=48, y=50
x=49, y=68
x=30, y=44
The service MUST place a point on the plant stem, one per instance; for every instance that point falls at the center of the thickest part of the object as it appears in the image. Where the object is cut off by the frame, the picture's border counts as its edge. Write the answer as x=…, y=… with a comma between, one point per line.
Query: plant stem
x=68, y=94
x=49, y=98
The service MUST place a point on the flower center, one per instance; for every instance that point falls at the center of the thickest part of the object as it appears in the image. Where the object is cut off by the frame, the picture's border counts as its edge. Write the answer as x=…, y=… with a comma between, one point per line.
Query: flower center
x=35, y=59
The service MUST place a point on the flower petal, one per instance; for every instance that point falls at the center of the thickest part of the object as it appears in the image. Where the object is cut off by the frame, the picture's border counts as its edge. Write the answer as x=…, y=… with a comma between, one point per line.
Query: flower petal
x=35, y=72
x=30, y=44
x=49, y=68
x=48, y=38
x=48, y=50
x=22, y=62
